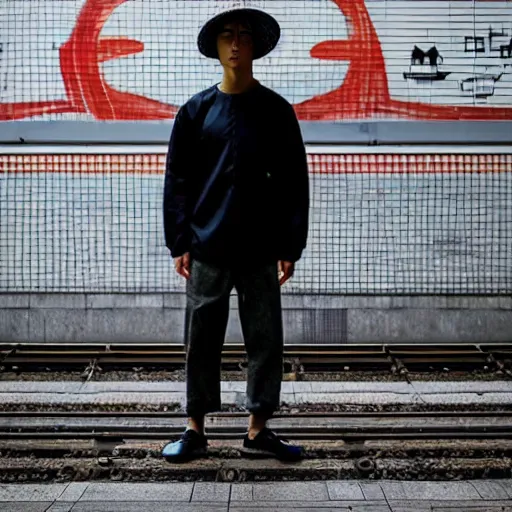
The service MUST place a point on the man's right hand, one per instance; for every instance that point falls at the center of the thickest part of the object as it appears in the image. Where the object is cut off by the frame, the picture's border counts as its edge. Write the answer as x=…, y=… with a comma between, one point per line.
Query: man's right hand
x=182, y=264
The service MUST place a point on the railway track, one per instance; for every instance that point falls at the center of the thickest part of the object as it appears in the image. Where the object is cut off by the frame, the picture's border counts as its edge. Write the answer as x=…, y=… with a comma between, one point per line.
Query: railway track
x=394, y=358
x=68, y=446
x=48, y=444
x=356, y=426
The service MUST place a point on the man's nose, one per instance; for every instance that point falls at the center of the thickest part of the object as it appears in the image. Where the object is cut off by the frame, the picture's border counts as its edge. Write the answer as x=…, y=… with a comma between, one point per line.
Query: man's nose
x=236, y=42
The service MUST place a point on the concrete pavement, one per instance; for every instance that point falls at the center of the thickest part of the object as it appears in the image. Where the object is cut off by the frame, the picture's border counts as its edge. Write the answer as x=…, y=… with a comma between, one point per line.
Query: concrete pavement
x=233, y=392
x=313, y=496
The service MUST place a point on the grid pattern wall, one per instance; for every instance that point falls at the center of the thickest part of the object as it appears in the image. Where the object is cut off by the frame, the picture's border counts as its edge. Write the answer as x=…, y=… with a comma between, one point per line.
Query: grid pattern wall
x=96, y=60
x=379, y=224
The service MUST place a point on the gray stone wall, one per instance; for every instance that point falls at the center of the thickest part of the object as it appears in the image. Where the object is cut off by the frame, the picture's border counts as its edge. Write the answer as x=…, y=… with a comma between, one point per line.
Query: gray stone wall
x=159, y=318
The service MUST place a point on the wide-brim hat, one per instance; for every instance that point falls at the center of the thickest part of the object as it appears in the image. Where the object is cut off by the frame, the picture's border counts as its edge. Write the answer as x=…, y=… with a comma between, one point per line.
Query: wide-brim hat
x=265, y=31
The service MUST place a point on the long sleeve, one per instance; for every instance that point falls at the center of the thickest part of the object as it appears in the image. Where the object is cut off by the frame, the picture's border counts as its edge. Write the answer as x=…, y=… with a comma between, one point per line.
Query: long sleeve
x=294, y=190
x=176, y=187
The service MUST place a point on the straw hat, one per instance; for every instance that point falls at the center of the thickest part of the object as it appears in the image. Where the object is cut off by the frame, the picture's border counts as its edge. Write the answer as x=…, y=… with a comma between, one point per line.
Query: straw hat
x=265, y=29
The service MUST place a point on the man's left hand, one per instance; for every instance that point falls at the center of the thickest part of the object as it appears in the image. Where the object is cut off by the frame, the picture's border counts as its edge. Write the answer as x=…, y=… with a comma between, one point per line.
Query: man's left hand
x=285, y=270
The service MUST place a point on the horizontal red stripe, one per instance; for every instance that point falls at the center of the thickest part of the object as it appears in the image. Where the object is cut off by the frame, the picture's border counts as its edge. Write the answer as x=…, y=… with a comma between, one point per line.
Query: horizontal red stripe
x=318, y=164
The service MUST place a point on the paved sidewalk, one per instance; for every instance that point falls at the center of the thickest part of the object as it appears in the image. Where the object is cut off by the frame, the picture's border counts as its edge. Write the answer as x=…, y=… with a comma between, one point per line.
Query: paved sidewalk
x=292, y=393
x=346, y=495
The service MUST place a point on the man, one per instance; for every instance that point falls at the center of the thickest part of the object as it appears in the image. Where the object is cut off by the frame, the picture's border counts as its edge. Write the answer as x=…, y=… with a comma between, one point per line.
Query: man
x=236, y=203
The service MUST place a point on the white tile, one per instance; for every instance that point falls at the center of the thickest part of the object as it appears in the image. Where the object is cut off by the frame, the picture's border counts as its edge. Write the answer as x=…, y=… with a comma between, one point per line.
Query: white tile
x=31, y=492
x=138, y=492
x=73, y=491
x=344, y=491
x=211, y=492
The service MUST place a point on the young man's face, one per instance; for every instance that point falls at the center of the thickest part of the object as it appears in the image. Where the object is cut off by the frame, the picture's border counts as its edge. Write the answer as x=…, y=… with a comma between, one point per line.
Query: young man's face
x=235, y=45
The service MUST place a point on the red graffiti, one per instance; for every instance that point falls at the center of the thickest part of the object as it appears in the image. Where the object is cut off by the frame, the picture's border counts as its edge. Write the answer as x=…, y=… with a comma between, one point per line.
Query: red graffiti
x=86, y=88
x=364, y=92
x=365, y=87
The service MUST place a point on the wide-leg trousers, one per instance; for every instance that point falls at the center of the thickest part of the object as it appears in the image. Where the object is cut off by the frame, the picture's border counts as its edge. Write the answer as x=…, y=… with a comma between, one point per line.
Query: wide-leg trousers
x=206, y=318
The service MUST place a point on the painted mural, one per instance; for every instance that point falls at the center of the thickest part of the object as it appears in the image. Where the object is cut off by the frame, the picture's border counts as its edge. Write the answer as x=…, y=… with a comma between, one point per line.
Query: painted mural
x=381, y=223
x=337, y=60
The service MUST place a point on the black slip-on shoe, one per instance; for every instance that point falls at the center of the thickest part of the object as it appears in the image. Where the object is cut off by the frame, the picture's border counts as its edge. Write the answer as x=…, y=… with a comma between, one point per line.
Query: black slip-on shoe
x=191, y=445
x=267, y=444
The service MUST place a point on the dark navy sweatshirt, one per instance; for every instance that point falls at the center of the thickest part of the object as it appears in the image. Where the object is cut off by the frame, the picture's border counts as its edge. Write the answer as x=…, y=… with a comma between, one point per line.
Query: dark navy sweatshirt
x=236, y=186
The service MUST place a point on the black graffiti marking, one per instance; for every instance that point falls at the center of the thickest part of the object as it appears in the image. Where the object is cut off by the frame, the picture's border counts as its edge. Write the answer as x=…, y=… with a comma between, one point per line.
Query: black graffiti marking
x=3, y=51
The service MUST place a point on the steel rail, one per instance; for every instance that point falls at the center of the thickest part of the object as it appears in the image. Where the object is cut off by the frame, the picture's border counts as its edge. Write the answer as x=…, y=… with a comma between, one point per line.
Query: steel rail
x=356, y=426
x=347, y=436
x=226, y=415
x=397, y=358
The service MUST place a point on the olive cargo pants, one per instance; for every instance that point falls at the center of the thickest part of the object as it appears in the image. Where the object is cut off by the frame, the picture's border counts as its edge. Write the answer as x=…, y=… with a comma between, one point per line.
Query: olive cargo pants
x=206, y=319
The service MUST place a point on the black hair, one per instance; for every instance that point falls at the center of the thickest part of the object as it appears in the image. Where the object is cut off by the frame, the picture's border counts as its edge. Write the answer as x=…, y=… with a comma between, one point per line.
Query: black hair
x=236, y=17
